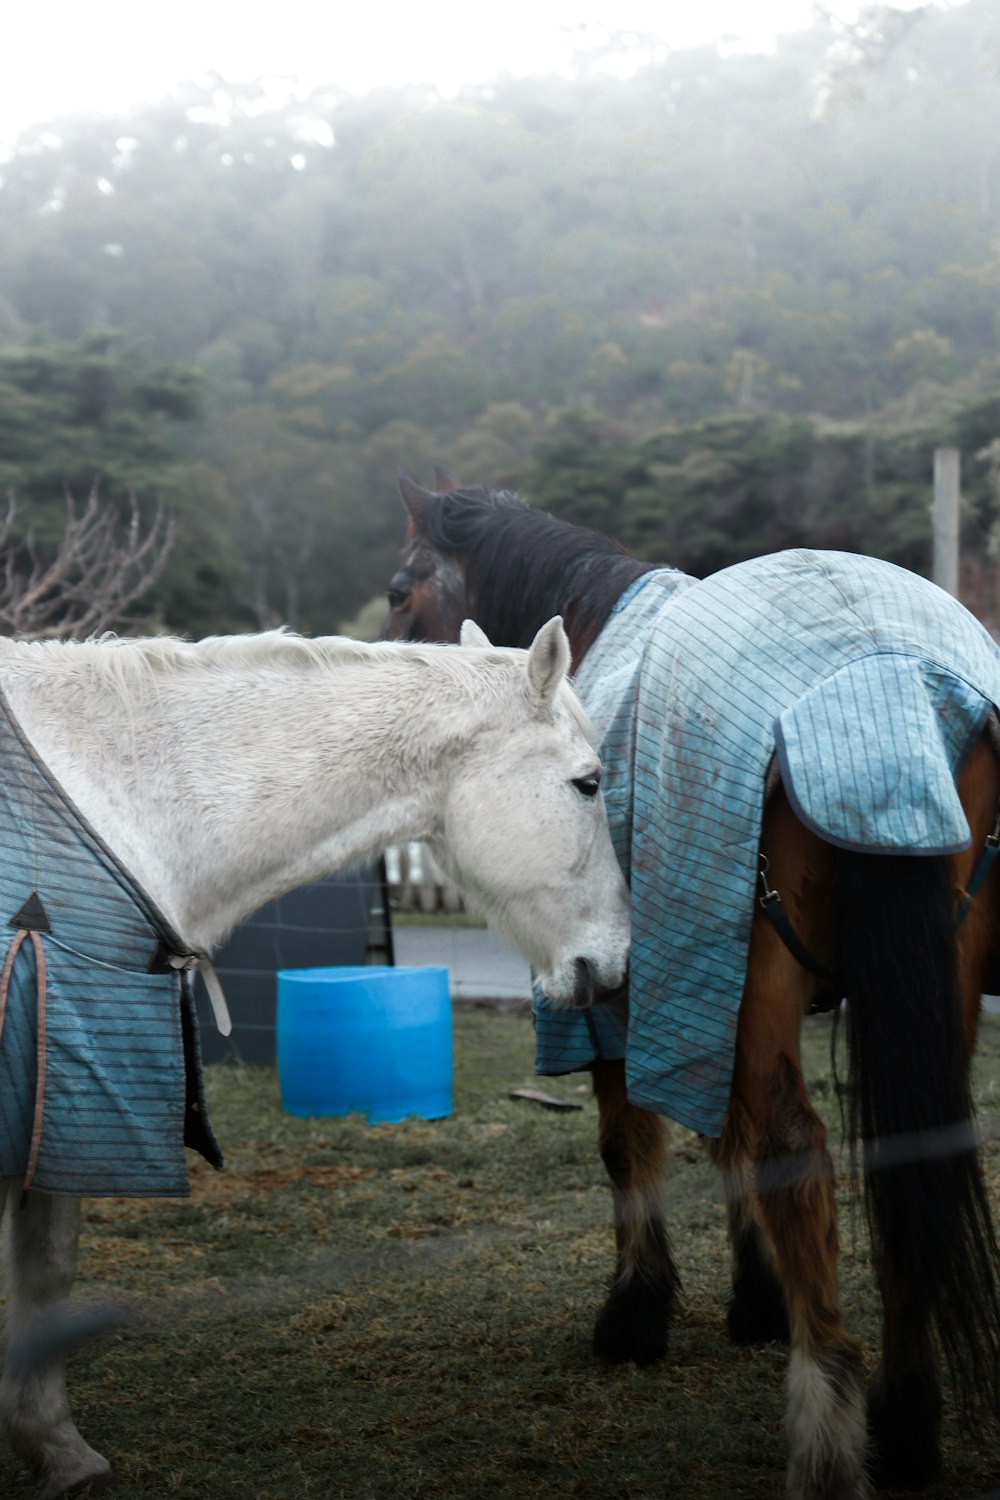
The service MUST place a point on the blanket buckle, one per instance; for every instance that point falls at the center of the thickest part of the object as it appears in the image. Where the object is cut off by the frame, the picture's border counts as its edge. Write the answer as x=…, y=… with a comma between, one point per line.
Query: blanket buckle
x=200, y=961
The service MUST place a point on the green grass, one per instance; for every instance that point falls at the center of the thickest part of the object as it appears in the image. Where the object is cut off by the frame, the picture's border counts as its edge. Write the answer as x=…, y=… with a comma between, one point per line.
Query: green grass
x=437, y=919
x=405, y=1311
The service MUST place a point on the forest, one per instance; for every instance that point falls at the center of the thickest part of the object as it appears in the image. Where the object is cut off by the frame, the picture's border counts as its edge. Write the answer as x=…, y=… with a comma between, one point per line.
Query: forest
x=726, y=304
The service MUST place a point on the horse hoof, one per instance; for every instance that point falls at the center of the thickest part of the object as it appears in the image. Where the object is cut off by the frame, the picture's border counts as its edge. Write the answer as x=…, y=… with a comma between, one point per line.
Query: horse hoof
x=633, y=1325
x=848, y=1482
x=903, y=1471
x=99, y=1485
x=904, y=1453
x=90, y=1476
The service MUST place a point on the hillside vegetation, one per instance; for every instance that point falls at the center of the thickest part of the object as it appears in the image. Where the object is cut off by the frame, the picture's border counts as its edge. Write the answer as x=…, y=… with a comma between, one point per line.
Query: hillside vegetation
x=727, y=304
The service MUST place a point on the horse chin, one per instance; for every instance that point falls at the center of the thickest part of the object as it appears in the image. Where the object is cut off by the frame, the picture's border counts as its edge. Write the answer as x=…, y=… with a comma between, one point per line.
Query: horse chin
x=577, y=986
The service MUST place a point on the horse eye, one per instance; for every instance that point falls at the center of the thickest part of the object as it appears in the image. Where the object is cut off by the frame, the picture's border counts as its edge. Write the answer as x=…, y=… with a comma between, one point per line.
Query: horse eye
x=397, y=598
x=589, y=786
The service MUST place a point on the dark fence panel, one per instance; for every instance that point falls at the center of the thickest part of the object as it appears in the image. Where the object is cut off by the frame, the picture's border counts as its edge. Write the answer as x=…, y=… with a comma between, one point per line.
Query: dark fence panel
x=338, y=921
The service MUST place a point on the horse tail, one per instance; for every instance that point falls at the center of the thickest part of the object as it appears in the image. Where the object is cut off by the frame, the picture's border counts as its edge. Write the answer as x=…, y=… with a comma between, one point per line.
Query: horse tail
x=910, y=1105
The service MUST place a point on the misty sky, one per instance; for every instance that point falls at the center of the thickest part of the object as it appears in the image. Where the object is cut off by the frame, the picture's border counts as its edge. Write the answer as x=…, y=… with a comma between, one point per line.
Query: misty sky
x=68, y=57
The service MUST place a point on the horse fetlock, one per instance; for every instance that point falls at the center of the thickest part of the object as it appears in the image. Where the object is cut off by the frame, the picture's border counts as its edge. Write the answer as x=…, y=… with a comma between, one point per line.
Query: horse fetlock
x=759, y=1317
x=758, y=1313
x=827, y=1436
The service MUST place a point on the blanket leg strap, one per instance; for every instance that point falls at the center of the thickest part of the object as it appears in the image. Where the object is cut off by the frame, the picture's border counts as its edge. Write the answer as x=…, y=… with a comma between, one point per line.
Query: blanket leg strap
x=984, y=865
x=773, y=908
x=40, y=1046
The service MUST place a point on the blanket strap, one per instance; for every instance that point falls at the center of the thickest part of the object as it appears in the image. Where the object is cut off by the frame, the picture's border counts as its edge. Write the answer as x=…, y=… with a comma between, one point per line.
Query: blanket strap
x=773, y=908
x=983, y=866
x=41, y=1050
x=185, y=962
x=166, y=958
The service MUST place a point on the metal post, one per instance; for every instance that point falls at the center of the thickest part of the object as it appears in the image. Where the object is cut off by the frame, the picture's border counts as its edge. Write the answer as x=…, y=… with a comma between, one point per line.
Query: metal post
x=947, y=489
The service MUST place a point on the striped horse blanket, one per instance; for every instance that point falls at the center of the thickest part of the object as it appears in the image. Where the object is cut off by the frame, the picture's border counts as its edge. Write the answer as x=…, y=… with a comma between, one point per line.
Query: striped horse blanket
x=868, y=684
x=100, y=1068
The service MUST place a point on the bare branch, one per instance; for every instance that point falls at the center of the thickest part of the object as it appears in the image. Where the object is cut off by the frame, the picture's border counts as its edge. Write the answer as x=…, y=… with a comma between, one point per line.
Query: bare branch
x=104, y=563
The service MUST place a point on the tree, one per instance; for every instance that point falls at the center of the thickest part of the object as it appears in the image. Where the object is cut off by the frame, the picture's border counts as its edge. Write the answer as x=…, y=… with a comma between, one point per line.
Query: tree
x=573, y=284
x=95, y=412
x=103, y=565
x=70, y=412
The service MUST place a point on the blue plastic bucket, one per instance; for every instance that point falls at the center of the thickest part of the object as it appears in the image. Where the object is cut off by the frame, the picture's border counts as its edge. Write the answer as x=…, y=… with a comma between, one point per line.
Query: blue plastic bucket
x=370, y=1040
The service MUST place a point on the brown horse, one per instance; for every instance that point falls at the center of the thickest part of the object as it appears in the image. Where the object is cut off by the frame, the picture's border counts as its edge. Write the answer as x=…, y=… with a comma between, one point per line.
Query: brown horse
x=897, y=937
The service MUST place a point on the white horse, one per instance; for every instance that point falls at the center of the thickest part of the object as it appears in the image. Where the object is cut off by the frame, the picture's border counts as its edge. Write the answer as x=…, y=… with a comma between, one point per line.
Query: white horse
x=225, y=773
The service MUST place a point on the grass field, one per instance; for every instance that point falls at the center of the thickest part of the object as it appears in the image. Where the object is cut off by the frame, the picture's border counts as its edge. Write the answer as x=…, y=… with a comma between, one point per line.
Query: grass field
x=394, y=1312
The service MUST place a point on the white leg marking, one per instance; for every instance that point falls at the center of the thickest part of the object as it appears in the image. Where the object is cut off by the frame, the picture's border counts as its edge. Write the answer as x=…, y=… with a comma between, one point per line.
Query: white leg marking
x=826, y=1429
x=636, y=1210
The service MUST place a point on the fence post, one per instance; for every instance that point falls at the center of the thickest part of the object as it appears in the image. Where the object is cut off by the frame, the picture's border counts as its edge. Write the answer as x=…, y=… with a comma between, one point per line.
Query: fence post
x=947, y=490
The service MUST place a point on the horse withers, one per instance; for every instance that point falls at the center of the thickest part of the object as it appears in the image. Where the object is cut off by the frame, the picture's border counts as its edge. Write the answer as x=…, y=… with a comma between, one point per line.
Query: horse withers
x=803, y=786
x=157, y=792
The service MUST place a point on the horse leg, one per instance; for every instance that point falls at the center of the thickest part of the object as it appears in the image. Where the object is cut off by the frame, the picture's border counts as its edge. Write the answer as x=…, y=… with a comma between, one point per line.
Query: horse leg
x=634, y=1322
x=43, y=1232
x=904, y=1400
x=757, y=1313
x=772, y=1123
x=825, y=1416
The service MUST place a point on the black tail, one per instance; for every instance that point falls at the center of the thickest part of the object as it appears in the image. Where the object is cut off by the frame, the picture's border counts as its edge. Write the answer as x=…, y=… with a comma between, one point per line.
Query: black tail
x=911, y=1107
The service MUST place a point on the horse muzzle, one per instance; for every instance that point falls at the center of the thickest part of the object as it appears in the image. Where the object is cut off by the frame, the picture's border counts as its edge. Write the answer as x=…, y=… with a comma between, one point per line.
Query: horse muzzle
x=588, y=991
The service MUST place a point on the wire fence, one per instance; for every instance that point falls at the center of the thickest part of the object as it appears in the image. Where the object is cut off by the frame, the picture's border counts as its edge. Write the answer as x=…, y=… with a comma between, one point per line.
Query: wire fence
x=417, y=883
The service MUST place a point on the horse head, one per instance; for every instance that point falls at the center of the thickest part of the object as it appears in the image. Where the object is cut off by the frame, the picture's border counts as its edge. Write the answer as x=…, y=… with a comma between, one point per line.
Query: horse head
x=524, y=832
x=427, y=593
x=473, y=551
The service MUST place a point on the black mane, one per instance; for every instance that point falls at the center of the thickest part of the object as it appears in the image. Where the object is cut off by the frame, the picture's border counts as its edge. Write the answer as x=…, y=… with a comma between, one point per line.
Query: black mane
x=523, y=566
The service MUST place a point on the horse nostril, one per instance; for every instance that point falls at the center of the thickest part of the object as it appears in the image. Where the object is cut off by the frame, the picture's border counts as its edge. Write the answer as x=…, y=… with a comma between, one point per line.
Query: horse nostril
x=584, y=988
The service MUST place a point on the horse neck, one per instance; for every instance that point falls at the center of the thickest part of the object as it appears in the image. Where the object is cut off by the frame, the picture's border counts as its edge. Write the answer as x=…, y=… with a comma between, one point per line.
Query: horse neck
x=546, y=568
x=221, y=792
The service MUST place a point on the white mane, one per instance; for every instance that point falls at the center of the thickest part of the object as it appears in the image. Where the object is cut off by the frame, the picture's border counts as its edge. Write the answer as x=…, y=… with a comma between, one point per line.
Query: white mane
x=124, y=657
x=128, y=663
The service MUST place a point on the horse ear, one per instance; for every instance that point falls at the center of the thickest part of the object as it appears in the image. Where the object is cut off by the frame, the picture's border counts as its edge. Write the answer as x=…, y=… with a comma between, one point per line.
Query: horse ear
x=446, y=483
x=471, y=635
x=548, y=659
x=416, y=501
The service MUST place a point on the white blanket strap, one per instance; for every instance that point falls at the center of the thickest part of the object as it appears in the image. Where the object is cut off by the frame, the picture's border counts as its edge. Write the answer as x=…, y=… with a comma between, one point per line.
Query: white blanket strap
x=220, y=1010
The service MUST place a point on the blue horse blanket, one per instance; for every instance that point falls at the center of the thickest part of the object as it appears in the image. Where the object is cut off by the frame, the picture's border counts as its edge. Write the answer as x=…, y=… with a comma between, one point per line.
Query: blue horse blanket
x=868, y=683
x=101, y=1088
